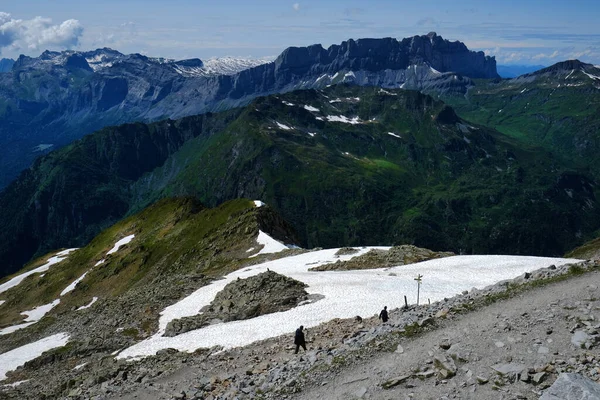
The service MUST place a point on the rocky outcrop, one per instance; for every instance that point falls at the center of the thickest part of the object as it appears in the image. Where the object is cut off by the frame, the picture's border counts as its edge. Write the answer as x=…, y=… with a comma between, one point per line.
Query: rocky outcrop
x=261, y=294
x=397, y=255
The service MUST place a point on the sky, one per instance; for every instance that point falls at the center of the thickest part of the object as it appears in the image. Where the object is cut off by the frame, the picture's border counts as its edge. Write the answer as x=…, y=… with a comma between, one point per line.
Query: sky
x=526, y=32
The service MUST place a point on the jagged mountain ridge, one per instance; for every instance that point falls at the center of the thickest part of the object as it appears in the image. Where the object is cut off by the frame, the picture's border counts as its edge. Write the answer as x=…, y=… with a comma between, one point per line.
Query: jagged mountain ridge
x=47, y=102
x=347, y=165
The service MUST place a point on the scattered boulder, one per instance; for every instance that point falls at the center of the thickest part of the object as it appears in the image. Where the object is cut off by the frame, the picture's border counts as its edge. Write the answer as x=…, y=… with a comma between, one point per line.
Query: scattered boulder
x=570, y=386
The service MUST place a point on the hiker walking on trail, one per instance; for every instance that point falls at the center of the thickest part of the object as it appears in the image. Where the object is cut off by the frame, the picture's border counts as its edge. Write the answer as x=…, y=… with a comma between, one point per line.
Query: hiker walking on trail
x=299, y=339
x=383, y=315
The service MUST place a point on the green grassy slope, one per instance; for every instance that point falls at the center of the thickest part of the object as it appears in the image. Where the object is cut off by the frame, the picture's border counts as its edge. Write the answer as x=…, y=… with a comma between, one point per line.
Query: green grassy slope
x=407, y=171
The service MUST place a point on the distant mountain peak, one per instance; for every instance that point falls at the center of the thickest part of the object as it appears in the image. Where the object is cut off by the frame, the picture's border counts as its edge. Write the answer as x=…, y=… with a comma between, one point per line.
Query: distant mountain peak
x=568, y=65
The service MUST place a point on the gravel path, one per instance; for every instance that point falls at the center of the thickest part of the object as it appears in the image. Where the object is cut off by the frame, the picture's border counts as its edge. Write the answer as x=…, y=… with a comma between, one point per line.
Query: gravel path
x=533, y=329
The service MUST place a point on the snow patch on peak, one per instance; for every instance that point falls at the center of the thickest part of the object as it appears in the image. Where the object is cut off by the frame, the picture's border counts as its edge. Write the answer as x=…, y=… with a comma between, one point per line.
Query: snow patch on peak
x=258, y=203
x=311, y=108
x=393, y=134
x=287, y=103
x=284, y=127
x=435, y=71
x=594, y=77
x=383, y=91
x=344, y=119
x=270, y=245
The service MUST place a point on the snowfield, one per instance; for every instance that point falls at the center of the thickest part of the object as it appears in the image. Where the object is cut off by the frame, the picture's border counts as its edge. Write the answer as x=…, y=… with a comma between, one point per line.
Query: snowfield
x=346, y=294
x=58, y=257
x=10, y=360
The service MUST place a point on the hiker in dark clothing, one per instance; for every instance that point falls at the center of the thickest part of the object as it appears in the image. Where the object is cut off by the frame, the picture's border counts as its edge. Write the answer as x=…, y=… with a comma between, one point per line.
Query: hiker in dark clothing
x=299, y=339
x=383, y=315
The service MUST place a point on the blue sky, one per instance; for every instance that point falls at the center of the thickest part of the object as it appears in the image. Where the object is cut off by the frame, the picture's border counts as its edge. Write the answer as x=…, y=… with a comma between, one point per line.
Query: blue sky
x=516, y=32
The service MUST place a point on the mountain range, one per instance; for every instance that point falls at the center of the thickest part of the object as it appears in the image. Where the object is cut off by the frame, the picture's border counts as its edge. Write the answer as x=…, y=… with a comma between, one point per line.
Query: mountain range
x=346, y=165
x=49, y=101
x=172, y=203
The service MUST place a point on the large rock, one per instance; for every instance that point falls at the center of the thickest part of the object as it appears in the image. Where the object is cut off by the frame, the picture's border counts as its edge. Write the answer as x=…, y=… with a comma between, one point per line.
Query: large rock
x=261, y=294
x=572, y=387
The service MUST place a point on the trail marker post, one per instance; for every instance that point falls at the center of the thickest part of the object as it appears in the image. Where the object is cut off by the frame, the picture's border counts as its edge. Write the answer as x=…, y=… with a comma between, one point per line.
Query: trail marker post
x=418, y=279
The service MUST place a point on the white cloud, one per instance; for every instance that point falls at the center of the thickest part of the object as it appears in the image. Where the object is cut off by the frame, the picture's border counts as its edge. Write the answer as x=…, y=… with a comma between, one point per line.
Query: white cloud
x=38, y=33
x=296, y=6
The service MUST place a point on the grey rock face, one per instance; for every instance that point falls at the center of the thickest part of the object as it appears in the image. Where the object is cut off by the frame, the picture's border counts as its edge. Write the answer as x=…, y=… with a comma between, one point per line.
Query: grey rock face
x=264, y=293
x=572, y=387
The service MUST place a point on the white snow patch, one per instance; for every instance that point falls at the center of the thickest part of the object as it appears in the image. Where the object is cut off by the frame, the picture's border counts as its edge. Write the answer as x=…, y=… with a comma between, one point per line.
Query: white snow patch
x=335, y=101
x=94, y=299
x=349, y=74
x=79, y=366
x=71, y=287
x=466, y=139
x=120, y=243
x=570, y=73
x=344, y=119
x=12, y=359
x=15, y=384
x=383, y=91
x=523, y=91
x=435, y=71
x=250, y=250
x=311, y=108
x=347, y=293
x=320, y=118
x=66, y=252
x=33, y=316
x=499, y=111
x=270, y=245
x=99, y=262
x=58, y=257
x=287, y=103
x=282, y=126
x=312, y=134
x=393, y=134
x=594, y=77
x=258, y=203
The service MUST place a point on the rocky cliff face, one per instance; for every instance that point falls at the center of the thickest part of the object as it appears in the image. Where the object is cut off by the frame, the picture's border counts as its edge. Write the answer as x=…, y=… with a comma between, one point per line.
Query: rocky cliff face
x=6, y=64
x=49, y=101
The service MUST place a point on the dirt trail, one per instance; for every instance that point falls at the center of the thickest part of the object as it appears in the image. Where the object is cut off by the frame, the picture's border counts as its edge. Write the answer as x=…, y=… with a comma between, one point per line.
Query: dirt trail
x=533, y=329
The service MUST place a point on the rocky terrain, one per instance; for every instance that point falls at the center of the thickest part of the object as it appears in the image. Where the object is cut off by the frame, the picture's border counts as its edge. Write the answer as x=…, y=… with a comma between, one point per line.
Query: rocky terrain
x=507, y=341
x=397, y=255
x=264, y=293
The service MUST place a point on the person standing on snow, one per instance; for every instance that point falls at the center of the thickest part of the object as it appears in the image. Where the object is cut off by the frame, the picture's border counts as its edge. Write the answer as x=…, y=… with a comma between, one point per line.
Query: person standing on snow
x=299, y=339
x=383, y=315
